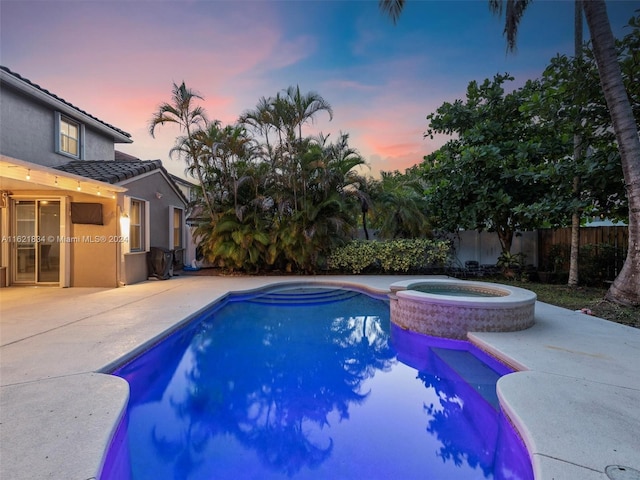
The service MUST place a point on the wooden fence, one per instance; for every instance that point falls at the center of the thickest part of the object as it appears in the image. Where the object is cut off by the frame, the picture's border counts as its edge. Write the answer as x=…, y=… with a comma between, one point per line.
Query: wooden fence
x=613, y=239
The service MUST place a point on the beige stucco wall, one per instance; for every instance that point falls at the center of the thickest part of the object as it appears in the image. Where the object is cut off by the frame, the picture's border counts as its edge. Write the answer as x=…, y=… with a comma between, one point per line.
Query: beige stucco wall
x=94, y=253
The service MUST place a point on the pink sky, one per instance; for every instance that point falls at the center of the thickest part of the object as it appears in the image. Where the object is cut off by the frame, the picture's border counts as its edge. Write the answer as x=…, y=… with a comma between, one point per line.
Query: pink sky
x=117, y=60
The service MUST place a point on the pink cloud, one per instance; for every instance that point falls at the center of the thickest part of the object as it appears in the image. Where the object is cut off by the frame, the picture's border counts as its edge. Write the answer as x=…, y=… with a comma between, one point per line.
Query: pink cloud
x=124, y=65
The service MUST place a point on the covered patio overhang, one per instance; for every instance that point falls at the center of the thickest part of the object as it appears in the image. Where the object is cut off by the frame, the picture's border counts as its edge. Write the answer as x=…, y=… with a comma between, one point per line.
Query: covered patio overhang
x=18, y=175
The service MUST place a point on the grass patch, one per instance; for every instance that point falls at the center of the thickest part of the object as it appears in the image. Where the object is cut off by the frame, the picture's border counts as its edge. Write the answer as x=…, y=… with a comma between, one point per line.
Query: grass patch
x=591, y=298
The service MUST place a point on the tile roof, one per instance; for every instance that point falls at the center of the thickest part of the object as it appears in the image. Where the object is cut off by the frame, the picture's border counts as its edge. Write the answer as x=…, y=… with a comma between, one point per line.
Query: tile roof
x=111, y=171
x=29, y=82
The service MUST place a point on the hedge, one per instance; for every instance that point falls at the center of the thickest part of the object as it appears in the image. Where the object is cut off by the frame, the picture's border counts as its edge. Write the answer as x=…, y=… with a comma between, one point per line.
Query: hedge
x=392, y=256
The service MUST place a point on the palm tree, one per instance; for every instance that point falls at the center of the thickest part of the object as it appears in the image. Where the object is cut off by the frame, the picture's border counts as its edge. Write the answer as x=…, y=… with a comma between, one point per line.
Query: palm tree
x=190, y=118
x=399, y=207
x=343, y=162
x=626, y=287
x=305, y=107
x=261, y=119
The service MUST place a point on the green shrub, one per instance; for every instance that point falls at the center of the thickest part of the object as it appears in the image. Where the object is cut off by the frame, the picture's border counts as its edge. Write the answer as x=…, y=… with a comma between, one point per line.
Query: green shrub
x=392, y=256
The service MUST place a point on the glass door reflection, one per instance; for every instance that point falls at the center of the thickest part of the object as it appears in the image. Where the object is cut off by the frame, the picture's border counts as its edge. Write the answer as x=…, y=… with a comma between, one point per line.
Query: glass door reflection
x=48, y=245
x=24, y=242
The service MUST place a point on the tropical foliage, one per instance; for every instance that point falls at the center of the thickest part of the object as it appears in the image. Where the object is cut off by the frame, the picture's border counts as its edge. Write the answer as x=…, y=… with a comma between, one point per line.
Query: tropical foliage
x=270, y=198
x=570, y=101
x=273, y=198
x=487, y=176
x=190, y=118
x=611, y=70
x=399, y=206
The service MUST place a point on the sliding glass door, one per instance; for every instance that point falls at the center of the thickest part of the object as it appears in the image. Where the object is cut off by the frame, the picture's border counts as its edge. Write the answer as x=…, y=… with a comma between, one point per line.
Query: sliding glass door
x=35, y=243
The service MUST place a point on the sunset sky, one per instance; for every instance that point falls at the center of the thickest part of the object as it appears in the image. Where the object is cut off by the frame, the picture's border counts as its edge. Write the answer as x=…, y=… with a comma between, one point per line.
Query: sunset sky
x=118, y=60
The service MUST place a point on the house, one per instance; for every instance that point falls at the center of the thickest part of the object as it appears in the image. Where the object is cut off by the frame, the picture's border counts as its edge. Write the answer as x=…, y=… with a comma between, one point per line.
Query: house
x=73, y=210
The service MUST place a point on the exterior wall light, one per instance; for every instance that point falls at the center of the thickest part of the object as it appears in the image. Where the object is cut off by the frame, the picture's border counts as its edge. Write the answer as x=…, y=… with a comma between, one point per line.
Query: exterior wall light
x=124, y=224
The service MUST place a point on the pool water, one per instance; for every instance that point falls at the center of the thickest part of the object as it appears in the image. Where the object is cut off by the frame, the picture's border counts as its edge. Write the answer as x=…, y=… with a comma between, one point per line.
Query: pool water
x=312, y=383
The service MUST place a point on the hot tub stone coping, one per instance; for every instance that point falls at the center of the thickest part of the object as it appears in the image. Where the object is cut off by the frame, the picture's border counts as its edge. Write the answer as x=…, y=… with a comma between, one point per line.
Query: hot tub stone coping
x=515, y=296
x=453, y=316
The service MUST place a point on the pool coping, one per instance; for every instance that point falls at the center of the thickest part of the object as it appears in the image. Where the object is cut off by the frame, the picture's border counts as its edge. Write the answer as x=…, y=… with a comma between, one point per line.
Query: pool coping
x=58, y=411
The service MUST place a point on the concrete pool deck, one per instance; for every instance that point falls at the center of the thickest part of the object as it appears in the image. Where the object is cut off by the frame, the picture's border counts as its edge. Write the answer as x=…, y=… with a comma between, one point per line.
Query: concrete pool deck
x=576, y=402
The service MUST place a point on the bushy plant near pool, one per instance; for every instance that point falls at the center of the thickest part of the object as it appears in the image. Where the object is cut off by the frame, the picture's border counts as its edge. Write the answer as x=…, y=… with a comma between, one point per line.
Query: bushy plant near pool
x=391, y=256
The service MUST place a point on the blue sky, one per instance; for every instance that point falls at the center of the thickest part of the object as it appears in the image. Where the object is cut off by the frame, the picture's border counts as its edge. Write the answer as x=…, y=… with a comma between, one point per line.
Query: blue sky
x=117, y=60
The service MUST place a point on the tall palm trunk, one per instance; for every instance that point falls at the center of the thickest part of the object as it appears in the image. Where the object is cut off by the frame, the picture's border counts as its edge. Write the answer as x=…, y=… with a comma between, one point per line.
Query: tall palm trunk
x=364, y=223
x=577, y=158
x=626, y=287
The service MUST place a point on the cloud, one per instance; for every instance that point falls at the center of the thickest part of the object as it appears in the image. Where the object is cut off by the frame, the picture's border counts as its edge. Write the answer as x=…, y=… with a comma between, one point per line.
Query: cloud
x=118, y=59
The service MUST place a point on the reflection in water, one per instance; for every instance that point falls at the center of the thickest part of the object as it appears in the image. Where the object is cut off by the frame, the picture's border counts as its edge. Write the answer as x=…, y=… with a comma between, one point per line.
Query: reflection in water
x=261, y=390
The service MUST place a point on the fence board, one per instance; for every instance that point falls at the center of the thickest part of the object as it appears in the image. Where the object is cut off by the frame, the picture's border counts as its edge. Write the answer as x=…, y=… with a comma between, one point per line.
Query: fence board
x=612, y=236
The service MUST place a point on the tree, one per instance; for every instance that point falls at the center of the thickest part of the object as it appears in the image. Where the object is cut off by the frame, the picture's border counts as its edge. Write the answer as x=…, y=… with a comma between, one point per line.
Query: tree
x=572, y=103
x=305, y=107
x=189, y=118
x=577, y=157
x=569, y=103
x=626, y=287
x=399, y=207
x=488, y=176
x=284, y=201
x=286, y=113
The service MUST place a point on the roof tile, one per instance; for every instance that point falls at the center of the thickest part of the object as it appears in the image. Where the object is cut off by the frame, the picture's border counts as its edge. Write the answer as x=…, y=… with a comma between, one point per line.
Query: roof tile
x=110, y=171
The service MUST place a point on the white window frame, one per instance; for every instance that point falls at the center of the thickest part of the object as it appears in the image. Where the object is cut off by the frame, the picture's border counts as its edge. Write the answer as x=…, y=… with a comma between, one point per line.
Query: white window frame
x=59, y=119
x=145, y=229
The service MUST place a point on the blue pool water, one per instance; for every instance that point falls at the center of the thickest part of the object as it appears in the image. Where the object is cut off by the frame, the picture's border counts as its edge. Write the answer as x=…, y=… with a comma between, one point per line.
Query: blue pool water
x=311, y=383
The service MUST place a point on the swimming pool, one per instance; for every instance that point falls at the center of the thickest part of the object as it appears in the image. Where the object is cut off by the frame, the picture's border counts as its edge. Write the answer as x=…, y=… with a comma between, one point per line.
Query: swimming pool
x=311, y=383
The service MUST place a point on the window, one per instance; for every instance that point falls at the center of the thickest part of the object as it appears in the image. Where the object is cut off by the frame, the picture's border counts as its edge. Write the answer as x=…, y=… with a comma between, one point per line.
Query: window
x=137, y=226
x=177, y=228
x=68, y=136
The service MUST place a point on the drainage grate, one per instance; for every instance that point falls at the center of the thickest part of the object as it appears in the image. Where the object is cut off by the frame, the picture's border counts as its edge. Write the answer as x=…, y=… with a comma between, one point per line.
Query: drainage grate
x=618, y=472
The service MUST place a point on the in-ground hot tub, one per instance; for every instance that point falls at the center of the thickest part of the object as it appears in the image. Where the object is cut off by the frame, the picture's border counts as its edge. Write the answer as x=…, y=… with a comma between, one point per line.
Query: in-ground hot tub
x=451, y=308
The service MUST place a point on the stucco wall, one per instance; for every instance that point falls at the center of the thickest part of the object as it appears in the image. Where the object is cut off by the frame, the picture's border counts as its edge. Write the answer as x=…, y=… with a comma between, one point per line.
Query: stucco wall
x=147, y=188
x=28, y=132
x=155, y=189
x=94, y=256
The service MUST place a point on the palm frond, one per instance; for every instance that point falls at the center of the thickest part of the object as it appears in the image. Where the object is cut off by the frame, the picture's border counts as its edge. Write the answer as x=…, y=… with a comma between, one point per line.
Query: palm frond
x=513, y=14
x=392, y=8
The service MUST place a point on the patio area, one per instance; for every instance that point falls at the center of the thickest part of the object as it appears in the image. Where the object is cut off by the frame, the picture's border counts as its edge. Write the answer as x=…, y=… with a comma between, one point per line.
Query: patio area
x=575, y=400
